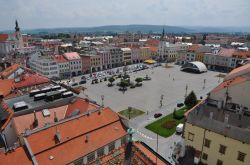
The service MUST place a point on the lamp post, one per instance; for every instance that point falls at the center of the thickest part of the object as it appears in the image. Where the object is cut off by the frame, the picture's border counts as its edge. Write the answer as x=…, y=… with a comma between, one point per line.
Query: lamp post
x=186, y=91
x=102, y=97
x=161, y=100
x=204, y=83
x=129, y=112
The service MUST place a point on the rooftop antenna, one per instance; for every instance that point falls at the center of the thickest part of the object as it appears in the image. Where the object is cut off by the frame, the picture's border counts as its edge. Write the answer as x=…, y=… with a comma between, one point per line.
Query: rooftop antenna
x=35, y=123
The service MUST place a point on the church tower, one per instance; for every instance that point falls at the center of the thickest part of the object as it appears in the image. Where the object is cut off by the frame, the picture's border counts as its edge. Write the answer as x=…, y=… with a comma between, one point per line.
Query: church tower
x=162, y=47
x=19, y=36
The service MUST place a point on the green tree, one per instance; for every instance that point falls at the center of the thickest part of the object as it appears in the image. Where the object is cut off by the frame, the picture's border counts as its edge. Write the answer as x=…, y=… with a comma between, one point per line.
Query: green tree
x=138, y=80
x=123, y=84
x=191, y=100
x=111, y=80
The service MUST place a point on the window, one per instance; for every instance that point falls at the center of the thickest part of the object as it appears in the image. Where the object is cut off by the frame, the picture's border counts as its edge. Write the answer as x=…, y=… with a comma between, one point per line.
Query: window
x=219, y=162
x=204, y=156
x=190, y=136
x=207, y=143
x=91, y=157
x=241, y=156
x=111, y=146
x=100, y=152
x=222, y=149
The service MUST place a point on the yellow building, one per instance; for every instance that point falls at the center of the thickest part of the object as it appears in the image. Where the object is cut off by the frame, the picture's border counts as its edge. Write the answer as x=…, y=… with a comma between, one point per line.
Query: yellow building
x=217, y=129
x=145, y=53
x=199, y=56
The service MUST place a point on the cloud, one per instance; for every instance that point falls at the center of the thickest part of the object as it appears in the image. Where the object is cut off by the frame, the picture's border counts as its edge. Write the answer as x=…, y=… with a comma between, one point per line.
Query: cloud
x=80, y=13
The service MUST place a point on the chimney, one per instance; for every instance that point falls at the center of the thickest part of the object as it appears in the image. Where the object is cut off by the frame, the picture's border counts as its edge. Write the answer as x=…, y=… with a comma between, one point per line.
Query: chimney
x=211, y=115
x=55, y=117
x=58, y=136
x=87, y=138
x=35, y=123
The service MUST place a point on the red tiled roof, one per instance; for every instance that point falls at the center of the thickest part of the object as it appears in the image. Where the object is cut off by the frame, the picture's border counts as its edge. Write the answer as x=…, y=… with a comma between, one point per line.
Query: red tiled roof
x=241, y=54
x=59, y=59
x=148, y=153
x=9, y=70
x=152, y=42
x=82, y=105
x=153, y=48
x=26, y=121
x=30, y=79
x=6, y=86
x=6, y=108
x=230, y=83
x=226, y=52
x=102, y=129
x=194, y=48
x=72, y=56
x=15, y=157
x=3, y=37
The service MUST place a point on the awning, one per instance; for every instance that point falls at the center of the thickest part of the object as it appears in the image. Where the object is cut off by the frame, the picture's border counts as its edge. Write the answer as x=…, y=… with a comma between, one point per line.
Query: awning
x=150, y=61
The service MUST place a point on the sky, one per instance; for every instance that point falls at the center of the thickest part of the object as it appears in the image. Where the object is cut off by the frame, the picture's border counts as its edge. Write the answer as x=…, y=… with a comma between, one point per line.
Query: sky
x=33, y=14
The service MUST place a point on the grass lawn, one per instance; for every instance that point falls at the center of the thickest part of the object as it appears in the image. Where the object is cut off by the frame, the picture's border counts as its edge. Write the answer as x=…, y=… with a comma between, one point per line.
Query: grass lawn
x=133, y=113
x=157, y=127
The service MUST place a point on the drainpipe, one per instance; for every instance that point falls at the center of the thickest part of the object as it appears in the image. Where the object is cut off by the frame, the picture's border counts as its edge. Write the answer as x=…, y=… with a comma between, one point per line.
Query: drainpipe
x=204, y=134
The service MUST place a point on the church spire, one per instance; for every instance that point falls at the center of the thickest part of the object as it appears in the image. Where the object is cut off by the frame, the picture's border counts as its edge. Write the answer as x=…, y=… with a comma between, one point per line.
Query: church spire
x=17, y=27
x=163, y=34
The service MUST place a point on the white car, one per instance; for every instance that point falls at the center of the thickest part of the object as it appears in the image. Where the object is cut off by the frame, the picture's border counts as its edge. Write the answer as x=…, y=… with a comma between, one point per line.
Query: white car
x=179, y=128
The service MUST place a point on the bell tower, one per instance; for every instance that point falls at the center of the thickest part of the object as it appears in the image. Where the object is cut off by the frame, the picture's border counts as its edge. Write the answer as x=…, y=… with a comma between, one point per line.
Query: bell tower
x=19, y=36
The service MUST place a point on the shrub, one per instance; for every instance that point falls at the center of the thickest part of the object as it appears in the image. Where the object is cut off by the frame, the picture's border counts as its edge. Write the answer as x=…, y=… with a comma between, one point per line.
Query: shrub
x=169, y=124
x=191, y=100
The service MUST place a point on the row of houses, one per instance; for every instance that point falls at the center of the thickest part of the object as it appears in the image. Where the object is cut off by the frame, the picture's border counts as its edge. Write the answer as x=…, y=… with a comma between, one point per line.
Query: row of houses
x=216, y=58
x=73, y=63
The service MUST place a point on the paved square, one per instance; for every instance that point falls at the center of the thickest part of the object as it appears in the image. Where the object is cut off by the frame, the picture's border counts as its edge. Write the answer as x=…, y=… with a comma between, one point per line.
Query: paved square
x=170, y=82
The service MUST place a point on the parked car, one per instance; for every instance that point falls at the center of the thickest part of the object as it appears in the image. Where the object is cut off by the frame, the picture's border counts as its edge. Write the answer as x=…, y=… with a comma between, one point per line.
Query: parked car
x=74, y=84
x=156, y=115
x=82, y=82
x=179, y=128
x=180, y=105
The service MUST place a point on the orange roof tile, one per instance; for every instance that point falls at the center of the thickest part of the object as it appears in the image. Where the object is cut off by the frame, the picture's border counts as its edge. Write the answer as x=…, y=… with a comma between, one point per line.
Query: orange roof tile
x=102, y=129
x=6, y=108
x=82, y=105
x=21, y=123
x=194, y=48
x=226, y=52
x=9, y=70
x=153, y=48
x=31, y=79
x=3, y=37
x=148, y=153
x=78, y=147
x=71, y=129
x=6, y=86
x=152, y=42
x=59, y=58
x=239, y=69
x=241, y=54
x=229, y=83
x=16, y=157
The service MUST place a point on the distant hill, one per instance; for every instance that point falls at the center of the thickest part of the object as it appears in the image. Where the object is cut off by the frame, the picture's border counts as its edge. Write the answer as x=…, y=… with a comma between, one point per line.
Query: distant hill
x=136, y=28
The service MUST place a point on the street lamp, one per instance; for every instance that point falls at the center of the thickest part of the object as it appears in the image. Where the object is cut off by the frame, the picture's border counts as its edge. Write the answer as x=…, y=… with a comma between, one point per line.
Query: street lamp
x=204, y=83
x=186, y=90
x=102, y=97
x=161, y=100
